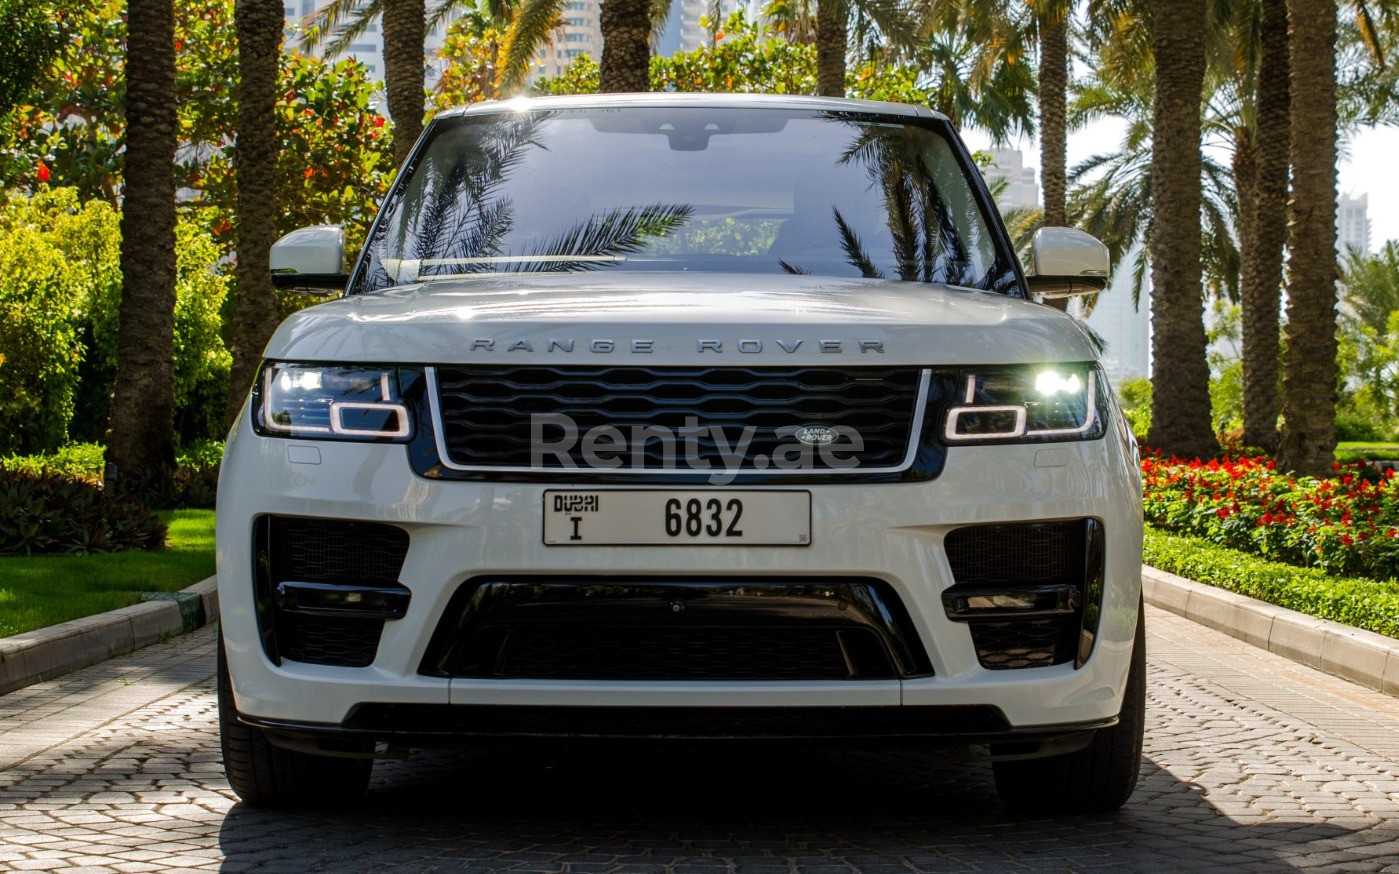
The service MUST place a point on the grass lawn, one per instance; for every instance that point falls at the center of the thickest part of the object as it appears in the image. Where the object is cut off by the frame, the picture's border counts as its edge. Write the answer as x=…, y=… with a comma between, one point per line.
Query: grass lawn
x=1348, y=452
x=44, y=590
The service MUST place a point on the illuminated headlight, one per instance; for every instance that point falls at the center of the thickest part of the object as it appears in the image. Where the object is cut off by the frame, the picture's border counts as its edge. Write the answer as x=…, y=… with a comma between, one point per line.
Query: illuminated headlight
x=1046, y=403
x=331, y=402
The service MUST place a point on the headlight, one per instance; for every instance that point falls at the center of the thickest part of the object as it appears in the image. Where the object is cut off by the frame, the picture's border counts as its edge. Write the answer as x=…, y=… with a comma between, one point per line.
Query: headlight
x=330, y=402
x=1026, y=404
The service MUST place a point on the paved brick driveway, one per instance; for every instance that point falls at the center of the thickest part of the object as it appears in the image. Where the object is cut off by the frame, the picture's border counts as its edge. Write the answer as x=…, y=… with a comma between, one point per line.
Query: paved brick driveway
x=1253, y=763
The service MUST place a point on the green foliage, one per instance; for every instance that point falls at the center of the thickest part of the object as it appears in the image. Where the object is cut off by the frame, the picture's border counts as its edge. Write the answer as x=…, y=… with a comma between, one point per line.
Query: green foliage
x=1362, y=603
x=1368, y=353
x=57, y=259
x=336, y=158
x=80, y=461
x=32, y=36
x=44, y=590
x=1135, y=397
x=201, y=361
x=746, y=57
x=48, y=514
x=1348, y=524
x=193, y=485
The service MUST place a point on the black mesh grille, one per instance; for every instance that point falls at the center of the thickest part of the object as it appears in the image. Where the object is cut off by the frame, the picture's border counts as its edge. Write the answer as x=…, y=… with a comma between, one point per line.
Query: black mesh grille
x=1022, y=555
x=683, y=654
x=336, y=551
x=486, y=411
x=329, y=551
x=320, y=640
x=1045, y=552
x=1032, y=643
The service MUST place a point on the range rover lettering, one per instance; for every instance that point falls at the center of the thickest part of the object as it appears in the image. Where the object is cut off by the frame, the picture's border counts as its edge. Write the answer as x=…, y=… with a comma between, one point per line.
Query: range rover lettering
x=683, y=416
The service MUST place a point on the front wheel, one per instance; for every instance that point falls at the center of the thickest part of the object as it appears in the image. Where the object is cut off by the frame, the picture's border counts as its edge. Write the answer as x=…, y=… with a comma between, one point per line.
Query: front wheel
x=1096, y=779
x=264, y=775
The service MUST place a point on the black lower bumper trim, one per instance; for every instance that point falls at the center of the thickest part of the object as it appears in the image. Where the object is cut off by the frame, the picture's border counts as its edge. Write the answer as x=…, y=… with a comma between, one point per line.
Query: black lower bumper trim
x=432, y=725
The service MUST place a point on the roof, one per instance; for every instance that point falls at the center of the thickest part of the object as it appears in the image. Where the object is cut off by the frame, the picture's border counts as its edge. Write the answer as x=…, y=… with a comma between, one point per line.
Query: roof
x=670, y=98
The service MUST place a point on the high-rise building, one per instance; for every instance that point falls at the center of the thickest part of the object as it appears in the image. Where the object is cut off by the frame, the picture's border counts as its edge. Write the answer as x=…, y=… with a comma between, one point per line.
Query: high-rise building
x=1353, y=223
x=1021, y=188
x=1125, y=328
x=581, y=34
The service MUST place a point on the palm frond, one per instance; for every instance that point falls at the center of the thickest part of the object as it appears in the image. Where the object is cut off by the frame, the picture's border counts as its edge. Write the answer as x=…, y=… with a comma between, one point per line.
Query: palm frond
x=617, y=232
x=339, y=23
x=855, y=253
x=533, y=22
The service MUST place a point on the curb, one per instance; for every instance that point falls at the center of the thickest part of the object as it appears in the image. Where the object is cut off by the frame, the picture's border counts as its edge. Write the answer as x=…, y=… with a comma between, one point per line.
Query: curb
x=46, y=653
x=1363, y=657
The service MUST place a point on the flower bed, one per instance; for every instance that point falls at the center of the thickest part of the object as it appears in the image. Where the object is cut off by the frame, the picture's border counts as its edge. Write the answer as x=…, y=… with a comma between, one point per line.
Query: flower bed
x=1346, y=525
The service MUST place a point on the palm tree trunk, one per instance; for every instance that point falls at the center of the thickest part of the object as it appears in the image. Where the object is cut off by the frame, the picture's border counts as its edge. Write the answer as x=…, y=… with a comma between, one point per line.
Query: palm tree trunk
x=1054, y=88
x=140, y=444
x=405, y=32
x=259, y=26
x=1308, y=438
x=1180, y=423
x=1261, y=282
x=626, y=46
x=832, y=23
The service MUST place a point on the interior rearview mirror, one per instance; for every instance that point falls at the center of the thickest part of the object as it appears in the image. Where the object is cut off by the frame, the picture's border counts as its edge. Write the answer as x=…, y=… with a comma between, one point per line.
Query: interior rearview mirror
x=1067, y=262
x=310, y=260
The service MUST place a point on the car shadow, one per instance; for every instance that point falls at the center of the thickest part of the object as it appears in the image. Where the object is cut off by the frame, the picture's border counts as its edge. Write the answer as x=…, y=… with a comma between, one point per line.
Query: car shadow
x=710, y=808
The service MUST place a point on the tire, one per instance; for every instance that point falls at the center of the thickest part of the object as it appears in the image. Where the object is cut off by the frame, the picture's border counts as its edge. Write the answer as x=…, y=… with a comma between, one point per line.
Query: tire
x=1096, y=779
x=264, y=775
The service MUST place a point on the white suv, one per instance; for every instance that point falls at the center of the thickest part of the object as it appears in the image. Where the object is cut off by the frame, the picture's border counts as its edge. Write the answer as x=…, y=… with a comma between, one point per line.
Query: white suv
x=664, y=416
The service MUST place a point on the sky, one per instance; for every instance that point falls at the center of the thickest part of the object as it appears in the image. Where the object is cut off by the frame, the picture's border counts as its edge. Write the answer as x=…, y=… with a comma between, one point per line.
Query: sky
x=1369, y=164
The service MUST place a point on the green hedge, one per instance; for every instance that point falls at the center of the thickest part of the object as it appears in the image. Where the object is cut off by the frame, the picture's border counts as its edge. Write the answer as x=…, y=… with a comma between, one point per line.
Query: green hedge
x=1361, y=603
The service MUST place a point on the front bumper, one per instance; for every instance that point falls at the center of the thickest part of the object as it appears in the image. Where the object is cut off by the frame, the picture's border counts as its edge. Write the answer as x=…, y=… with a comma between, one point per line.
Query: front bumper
x=890, y=532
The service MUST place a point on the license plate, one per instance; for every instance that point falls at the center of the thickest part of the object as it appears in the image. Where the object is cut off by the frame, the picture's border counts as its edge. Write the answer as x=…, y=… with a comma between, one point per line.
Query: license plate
x=677, y=518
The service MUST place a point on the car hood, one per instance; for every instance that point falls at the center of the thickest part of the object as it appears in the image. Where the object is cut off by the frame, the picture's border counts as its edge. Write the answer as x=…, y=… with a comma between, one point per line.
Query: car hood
x=658, y=319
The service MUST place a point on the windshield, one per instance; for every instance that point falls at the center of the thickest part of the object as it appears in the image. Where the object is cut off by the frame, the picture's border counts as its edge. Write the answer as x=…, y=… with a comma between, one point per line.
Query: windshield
x=699, y=189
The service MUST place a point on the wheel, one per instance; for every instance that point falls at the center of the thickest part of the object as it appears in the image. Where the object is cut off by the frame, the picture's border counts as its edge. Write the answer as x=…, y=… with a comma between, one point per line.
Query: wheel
x=1096, y=779
x=264, y=775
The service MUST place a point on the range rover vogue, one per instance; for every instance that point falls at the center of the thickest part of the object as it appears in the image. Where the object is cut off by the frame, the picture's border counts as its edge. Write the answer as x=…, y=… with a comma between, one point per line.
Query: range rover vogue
x=664, y=416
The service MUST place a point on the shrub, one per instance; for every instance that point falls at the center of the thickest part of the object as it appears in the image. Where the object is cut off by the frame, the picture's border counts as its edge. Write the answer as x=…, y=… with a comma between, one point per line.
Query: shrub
x=1362, y=603
x=51, y=514
x=56, y=258
x=201, y=360
x=82, y=461
x=1344, y=525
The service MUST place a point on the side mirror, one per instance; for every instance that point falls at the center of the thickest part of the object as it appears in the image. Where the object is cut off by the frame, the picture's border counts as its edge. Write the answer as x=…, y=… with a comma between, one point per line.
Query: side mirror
x=310, y=260
x=1067, y=262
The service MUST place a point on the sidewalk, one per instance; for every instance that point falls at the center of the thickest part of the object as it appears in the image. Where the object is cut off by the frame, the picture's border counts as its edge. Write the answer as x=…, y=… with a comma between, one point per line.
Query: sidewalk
x=46, y=653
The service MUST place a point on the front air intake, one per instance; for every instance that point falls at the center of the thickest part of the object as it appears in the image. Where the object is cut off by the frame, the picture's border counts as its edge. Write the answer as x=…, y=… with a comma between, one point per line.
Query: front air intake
x=325, y=587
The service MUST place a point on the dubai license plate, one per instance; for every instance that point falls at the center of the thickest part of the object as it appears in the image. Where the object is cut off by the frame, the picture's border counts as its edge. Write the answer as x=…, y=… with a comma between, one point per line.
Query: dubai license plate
x=654, y=517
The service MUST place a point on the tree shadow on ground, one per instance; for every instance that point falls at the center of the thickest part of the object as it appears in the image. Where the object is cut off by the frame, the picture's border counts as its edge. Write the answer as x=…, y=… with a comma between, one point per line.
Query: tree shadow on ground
x=708, y=808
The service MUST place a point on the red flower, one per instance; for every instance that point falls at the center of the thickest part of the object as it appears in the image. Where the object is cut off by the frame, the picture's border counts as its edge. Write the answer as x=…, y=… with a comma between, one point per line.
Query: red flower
x=1346, y=540
x=43, y=173
x=378, y=121
x=308, y=173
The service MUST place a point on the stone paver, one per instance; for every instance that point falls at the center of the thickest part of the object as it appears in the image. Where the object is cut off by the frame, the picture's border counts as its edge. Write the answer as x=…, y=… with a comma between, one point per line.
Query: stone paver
x=1253, y=763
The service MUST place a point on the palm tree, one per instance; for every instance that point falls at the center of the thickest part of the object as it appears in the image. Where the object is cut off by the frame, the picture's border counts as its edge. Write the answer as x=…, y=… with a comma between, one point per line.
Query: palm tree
x=1263, y=226
x=1308, y=438
x=626, y=46
x=1050, y=19
x=405, y=35
x=1180, y=372
x=899, y=26
x=339, y=23
x=140, y=444
x=259, y=26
